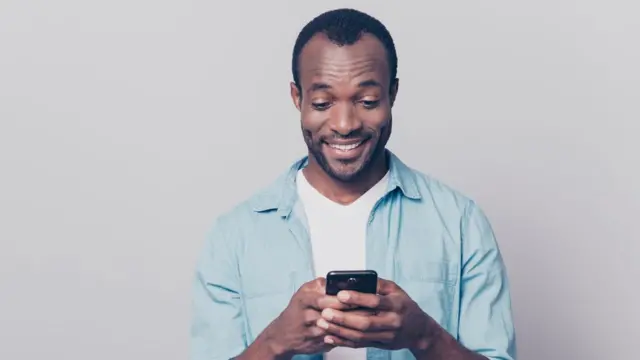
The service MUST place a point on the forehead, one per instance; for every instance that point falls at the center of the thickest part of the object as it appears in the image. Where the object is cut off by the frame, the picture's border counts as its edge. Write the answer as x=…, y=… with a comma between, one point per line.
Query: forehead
x=323, y=61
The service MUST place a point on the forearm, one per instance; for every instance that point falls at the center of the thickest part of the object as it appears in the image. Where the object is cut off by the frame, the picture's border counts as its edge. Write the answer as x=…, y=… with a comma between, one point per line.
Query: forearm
x=262, y=348
x=441, y=345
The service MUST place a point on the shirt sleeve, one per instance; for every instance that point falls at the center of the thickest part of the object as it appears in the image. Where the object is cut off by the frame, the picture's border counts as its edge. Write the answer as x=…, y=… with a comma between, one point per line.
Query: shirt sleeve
x=217, y=328
x=486, y=322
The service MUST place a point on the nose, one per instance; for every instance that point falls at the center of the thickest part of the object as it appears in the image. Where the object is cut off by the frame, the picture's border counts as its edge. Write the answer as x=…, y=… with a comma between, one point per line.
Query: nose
x=345, y=120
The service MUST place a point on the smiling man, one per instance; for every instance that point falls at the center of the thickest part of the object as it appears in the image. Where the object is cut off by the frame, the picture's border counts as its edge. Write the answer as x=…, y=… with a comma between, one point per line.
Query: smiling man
x=259, y=291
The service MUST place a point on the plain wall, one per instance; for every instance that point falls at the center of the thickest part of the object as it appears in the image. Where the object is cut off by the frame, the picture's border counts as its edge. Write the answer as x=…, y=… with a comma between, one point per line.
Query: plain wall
x=126, y=127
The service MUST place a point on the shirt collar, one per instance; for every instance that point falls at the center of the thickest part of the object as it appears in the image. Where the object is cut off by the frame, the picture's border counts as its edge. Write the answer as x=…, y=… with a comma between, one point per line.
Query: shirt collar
x=281, y=196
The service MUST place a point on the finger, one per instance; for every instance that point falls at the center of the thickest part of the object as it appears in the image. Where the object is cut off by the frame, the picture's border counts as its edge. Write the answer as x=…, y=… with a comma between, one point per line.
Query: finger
x=387, y=303
x=315, y=332
x=336, y=341
x=310, y=316
x=327, y=346
x=362, y=321
x=361, y=311
x=318, y=284
x=329, y=302
x=371, y=301
x=355, y=336
x=310, y=319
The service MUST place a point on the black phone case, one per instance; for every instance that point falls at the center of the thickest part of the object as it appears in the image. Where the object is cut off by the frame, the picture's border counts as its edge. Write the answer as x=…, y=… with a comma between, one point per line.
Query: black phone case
x=364, y=281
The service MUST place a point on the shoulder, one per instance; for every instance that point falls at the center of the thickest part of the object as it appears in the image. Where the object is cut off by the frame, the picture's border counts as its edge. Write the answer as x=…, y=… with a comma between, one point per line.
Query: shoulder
x=458, y=213
x=243, y=212
x=442, y=196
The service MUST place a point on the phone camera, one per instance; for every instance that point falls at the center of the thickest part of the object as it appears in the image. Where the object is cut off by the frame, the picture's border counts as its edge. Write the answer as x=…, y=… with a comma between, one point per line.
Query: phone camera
x=352, y=280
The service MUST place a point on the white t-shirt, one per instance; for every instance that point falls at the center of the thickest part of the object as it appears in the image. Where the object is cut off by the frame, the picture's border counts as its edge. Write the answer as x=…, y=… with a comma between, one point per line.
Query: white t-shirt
x=338, y=237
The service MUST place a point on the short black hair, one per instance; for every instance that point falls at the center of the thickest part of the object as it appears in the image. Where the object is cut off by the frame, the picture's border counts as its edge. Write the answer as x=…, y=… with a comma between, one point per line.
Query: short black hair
x=344, y=27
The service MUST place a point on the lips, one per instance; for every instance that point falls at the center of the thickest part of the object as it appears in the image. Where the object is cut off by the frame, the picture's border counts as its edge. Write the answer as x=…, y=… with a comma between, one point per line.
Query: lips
x=345, y=150
x=346, y=147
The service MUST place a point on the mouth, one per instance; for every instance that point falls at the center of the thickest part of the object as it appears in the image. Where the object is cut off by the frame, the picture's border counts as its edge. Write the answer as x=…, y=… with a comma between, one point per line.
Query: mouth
x=346, y=147
x=346, y=151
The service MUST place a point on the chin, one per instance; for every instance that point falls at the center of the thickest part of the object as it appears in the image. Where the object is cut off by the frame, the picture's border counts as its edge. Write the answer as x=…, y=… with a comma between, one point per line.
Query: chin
x=341, y=168
x=345, y=171
x=344, y=176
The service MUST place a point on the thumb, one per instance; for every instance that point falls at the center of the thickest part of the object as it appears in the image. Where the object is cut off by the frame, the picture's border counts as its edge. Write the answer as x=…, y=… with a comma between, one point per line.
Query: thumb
x=319, y=284
x=386, y=287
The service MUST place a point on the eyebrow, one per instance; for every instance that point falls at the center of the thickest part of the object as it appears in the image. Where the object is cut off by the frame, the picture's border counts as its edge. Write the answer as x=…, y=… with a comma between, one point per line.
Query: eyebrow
x=363, y=84
x=369, y=83
x=318, y=87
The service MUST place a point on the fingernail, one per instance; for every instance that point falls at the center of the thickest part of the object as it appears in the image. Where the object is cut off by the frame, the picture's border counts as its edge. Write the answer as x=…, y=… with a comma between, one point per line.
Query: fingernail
x=328, y=340
x=327, y=314
x=343, y=296
x=323, y=324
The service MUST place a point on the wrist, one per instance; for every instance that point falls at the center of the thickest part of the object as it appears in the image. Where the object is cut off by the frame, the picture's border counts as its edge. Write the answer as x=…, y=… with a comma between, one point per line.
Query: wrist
x=274, y=348
x=428, y=339
x=266, y=347
x=278, y=352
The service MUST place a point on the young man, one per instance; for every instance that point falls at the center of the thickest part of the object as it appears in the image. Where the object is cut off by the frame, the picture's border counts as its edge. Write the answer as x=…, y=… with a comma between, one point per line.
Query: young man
x=351, y=204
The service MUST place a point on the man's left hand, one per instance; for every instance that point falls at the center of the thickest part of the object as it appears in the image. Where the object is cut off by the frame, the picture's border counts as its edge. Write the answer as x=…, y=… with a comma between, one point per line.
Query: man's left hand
x=394, y=320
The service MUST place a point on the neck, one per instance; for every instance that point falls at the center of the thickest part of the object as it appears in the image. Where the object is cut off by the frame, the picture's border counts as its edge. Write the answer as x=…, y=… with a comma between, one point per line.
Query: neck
x=346, y=192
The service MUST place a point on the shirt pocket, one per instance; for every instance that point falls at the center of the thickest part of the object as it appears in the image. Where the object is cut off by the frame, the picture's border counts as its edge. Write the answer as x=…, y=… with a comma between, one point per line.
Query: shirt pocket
x=432, y=285
x=264, y=300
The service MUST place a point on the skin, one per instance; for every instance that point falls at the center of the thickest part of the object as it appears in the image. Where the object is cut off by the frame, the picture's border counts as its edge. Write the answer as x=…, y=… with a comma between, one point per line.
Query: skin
x=295, y=331
x=394, y=322
x=346, y=95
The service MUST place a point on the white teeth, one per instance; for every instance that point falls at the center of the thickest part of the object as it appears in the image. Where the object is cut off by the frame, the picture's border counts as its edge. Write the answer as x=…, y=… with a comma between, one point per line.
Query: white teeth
x=345, y=147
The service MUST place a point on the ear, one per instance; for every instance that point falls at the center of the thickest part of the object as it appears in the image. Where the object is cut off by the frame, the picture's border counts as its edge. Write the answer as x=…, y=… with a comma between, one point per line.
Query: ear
x=393, y=91
x=296, y=95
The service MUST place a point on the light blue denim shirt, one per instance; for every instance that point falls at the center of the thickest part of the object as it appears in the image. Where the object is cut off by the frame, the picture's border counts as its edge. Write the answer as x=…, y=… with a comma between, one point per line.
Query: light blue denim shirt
x=431, y=240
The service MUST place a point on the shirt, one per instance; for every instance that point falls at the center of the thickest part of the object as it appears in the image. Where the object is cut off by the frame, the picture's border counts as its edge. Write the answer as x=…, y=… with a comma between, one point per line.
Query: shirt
x=434, y=242
x=338, y=236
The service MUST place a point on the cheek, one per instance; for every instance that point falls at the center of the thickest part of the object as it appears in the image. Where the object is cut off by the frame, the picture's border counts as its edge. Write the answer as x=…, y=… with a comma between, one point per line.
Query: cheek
x=378, y=121
x=312, y=121
x=309, y=132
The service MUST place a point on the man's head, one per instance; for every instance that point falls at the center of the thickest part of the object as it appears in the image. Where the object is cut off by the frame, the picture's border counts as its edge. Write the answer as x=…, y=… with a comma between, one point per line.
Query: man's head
x=344, y=84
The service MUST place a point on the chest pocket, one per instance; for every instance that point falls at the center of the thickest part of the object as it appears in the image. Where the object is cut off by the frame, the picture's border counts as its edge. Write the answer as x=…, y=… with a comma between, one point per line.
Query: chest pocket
x=432, y=285
x=264, y=298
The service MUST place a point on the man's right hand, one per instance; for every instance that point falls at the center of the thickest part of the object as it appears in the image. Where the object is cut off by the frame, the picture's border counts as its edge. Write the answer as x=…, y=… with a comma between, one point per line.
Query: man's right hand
x=295, y=331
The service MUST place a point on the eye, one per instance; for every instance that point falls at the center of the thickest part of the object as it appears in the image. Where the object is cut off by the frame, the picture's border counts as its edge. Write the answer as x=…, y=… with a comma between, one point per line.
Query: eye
x=320, y=106
x=370, y=104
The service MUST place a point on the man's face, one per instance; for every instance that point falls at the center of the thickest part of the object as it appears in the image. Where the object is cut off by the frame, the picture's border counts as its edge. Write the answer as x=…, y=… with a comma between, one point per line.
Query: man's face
x=345, y=102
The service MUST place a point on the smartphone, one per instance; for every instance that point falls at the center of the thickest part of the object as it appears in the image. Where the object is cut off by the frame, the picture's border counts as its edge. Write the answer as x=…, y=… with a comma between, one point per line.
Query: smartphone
x=364, y=281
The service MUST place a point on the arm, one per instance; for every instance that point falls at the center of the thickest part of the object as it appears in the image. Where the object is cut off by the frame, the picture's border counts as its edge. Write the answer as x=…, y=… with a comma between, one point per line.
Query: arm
x=486, y=321
x=262, y=348
x=217, y=329
x=486, y=327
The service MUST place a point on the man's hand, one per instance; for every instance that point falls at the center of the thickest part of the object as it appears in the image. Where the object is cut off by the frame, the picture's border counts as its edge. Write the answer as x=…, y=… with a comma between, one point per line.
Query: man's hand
x=397, y=321
x=295, y=331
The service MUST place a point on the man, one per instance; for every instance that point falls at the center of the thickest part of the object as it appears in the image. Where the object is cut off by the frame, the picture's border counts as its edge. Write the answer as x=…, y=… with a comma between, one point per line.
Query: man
x=351, y=204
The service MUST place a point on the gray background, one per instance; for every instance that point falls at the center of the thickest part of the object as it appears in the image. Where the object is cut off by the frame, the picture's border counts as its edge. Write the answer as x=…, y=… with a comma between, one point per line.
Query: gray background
x=127, y=126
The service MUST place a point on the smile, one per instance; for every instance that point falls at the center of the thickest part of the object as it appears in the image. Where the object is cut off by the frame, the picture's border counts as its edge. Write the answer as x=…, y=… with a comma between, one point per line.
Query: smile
x=348, y=147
